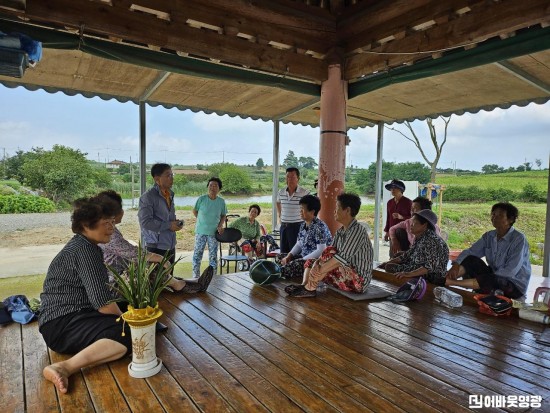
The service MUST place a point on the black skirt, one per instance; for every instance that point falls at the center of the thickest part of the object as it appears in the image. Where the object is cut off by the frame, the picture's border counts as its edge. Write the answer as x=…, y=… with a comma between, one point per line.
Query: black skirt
x=74, y=332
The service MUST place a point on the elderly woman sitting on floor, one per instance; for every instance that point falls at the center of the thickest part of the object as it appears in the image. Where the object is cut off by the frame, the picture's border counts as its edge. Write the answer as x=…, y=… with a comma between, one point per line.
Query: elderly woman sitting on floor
x=347, y=264
x=427, y=257
x=77, y=315
x=313, y=237
x=507, y=253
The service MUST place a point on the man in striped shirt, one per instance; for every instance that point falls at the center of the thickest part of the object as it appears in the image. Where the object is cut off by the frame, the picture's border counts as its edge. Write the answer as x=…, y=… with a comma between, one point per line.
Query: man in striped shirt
x=288, y=208
x=347, y=264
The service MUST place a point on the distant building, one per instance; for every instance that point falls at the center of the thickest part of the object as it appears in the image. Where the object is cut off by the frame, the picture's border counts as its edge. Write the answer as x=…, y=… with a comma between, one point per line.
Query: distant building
x=115, y=164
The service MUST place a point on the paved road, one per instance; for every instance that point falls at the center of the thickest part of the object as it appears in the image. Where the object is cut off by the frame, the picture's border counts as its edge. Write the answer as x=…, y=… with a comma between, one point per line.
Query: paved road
x=33, y=260
x=19, y=222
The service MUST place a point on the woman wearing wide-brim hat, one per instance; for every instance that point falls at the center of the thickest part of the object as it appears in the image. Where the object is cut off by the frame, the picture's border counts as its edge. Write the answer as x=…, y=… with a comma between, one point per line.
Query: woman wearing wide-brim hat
x=427, y=257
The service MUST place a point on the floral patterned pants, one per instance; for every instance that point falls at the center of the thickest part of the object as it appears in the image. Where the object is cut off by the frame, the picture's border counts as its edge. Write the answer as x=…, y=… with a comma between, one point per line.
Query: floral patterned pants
x=200, y=244
x=342, y=277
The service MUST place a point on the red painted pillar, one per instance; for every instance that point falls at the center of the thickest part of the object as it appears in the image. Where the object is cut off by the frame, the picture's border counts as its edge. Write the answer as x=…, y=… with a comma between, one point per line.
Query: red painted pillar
x=332, y=143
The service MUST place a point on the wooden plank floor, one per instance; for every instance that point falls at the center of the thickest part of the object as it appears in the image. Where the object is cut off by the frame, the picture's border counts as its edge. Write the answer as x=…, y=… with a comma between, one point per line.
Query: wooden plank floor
x=246, y=348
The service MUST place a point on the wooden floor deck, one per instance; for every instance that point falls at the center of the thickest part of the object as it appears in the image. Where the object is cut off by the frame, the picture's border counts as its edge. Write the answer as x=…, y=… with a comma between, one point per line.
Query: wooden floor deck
x=246, y=348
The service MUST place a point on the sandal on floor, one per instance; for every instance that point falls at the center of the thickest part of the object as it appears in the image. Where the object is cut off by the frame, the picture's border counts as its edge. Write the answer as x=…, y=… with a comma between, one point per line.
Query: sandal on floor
x=303, y=293
x=289, y=289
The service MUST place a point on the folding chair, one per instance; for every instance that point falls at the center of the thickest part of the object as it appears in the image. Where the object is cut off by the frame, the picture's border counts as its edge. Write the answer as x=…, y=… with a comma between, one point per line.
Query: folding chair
x=231, y=236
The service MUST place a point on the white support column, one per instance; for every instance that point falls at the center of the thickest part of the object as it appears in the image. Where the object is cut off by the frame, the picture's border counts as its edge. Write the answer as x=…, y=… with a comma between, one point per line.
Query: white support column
x=546, y=257
x=377, y=190
x=275, y=174
x=142, y=146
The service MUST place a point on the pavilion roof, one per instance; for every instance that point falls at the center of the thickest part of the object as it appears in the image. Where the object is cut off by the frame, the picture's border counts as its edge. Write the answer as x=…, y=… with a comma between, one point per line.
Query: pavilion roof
x=263, y=59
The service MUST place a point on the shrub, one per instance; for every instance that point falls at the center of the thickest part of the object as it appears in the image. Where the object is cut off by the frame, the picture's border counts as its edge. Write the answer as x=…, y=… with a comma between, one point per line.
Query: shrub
x=194, y=188
x=531, y=194
x=197, y=178
x=20, y=204
x=353, y=188
x=464, y=193
x=502, y=194
x=235, y=180
x=12, y=184
x=7, y=190
x=476, y=194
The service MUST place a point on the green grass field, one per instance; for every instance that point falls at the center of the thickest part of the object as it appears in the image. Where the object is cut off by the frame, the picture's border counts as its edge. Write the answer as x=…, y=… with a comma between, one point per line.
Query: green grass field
x=514, y=181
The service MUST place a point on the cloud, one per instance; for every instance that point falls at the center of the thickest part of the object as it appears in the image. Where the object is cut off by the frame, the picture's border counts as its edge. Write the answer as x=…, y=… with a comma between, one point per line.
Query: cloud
x=110, y=130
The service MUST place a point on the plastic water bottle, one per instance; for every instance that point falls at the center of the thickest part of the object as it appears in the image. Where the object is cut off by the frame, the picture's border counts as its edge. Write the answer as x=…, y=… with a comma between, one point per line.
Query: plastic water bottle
x=536, y=316
x=321, y=287
x=448, y=297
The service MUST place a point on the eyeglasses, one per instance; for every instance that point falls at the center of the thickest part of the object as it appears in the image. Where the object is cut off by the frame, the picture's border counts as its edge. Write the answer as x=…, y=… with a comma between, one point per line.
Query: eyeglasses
x=167, y=175
x=109, y=222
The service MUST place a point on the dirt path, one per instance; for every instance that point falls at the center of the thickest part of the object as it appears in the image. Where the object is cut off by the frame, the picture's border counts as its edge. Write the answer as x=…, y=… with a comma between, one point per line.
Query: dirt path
x=29, y=242
x=22, y=230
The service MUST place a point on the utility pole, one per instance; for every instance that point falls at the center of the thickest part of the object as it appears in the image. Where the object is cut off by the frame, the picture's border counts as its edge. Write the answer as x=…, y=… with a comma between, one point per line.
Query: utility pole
x=4, y=164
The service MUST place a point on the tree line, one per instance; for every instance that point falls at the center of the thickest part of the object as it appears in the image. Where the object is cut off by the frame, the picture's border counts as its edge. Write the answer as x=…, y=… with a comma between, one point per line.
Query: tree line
x=63, y=174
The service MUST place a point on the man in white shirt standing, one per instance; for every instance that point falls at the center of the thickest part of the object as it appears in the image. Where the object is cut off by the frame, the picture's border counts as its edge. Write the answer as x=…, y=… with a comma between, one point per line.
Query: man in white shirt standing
x=288, y=208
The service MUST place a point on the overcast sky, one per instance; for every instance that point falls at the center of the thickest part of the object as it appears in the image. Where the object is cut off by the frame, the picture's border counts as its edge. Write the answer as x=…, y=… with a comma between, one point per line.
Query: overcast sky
x=109, y=130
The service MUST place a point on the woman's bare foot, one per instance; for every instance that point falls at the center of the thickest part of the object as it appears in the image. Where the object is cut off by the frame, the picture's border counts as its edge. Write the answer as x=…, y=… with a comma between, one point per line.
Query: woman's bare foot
x=176, y=284
x=58, y=376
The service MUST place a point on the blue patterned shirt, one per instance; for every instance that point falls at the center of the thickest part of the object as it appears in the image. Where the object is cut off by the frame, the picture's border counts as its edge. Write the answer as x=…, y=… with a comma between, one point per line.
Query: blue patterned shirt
x=311, y=236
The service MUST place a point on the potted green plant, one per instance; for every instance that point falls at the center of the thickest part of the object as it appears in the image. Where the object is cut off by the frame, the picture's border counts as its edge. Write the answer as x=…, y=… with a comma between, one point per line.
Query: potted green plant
x=140, y=286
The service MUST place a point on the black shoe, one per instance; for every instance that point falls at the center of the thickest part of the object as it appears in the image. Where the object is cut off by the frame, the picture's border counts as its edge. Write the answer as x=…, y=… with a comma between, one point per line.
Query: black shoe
x=191, y=288
x=303, y=293
x=160, y=328
x=205, y=278
x=289, y=289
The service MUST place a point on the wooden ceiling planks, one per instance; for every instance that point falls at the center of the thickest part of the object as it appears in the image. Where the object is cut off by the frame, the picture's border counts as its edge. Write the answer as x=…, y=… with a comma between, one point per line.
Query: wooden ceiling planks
x=292, y=39
x=99, y=19
x=492, y=19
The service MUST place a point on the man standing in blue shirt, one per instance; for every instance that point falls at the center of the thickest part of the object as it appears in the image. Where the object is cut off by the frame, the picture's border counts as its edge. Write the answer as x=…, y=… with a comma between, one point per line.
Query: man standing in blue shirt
x=210, y=211
x=507, y=253
x=157, y=213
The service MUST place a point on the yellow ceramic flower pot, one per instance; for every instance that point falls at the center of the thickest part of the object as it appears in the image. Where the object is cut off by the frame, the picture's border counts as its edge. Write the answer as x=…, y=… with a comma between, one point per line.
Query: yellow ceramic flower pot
x=142, y=322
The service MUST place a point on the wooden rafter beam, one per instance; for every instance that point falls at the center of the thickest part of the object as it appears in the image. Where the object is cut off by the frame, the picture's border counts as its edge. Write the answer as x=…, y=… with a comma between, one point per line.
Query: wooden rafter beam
x=99, y=18
x=13, y=4
x=498, y=18
x=256, y=24
x=371, y=27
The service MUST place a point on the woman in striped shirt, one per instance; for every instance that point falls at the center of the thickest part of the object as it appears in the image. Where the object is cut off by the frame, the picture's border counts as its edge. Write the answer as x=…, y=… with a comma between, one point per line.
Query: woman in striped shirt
x=77, y=315
x=347, y=264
